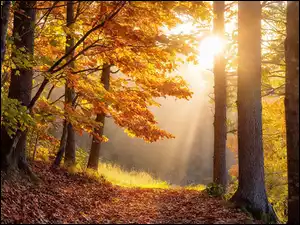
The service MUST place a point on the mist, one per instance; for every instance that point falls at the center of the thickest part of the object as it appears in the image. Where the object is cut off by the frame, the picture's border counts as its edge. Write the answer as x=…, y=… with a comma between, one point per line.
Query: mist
x=185, y=160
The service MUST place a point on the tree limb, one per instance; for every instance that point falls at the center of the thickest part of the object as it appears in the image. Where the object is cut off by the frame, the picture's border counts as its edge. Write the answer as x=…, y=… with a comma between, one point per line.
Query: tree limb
x=51, y=69
x=57, y=99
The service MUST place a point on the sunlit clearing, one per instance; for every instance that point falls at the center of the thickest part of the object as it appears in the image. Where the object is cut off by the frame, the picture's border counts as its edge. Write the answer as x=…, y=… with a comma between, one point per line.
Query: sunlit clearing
x=209, y=47
x=199, y=187
x=116, y=175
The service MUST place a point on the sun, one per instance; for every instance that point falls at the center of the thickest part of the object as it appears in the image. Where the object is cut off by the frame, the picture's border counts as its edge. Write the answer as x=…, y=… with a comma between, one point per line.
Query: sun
x=212, y=45
x=209, y=47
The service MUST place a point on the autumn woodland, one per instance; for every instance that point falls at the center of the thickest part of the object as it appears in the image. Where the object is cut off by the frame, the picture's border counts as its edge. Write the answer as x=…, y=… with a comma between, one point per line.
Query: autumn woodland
x=150, y=112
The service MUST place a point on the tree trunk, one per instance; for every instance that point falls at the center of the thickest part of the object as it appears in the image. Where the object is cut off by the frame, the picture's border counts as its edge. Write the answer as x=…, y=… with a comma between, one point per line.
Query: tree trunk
x=35, y=145
x=13, y=149
x=96, y=144
x=4, y=24
x=62, y=146
x=251, y=192
x=220, y=130
x=292, y=109
x=70, y=154
x=69, y=92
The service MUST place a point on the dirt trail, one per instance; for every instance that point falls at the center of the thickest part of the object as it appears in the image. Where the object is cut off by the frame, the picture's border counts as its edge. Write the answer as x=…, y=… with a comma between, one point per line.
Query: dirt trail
x=67, y=198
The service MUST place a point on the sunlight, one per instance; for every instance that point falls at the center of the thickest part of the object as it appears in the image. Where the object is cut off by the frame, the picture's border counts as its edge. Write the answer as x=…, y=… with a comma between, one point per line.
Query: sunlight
x=209, y=47
x=212, y=45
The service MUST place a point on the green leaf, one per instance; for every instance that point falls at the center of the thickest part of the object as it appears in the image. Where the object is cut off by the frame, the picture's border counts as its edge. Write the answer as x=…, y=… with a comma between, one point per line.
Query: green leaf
x=53, y=43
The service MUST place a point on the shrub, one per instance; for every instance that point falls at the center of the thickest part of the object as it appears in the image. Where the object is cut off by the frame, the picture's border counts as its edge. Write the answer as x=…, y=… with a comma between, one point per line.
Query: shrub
x=215, y=190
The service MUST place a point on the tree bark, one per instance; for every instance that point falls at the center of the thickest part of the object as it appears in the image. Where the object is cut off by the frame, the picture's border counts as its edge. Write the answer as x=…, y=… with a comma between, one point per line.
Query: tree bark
x=96, y=144
x=4, y=24
x=70, y=154
x=13, y=148
x=220, y=129
x=62, y=146
x=69, y=92
x=35, y=145
x=292, y=109
x=251, y=192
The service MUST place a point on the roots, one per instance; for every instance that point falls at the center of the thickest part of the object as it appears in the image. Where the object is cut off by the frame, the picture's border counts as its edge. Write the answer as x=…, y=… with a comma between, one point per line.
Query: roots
x=22, y=169
x=259, y=210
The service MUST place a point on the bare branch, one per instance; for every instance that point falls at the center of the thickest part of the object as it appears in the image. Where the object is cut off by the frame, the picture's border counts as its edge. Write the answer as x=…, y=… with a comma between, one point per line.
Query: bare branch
x=50, y=91
x=57, y=99
x=233, y=131
x=115, y=71
x=90, y=69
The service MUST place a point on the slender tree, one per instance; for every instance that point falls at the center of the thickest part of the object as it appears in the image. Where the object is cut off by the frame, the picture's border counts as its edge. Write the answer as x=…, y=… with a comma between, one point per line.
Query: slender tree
x=220, y=130
x=13, y=152
x=67, y=141
x=292, y=109
x=4, y=24
x=251, y=192
x=69, y=91
x=62, y=145
x=96, y=144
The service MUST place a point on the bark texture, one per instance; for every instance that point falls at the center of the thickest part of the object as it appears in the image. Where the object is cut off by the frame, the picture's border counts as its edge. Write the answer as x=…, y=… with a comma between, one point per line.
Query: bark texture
x=96, y=144
x=251, y=192
x=13, y=149
x=292, y=109
x=220, y=129
x=4, y=24
x=62, y=146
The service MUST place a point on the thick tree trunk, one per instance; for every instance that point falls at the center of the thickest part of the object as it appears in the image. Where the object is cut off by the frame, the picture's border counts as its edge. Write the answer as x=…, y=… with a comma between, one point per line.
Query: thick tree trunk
x=96, y=144
x=4, y=24
x=251, y=192
x=292, y=109
x=220, y=130
x=69, y=92
x=13, y=149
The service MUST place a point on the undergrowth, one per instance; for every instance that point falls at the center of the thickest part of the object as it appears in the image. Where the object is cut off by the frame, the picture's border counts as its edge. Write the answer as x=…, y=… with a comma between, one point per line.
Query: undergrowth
x=111, y=172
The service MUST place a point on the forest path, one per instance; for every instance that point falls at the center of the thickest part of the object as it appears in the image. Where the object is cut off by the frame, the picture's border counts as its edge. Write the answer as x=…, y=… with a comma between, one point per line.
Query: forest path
x=62, y=197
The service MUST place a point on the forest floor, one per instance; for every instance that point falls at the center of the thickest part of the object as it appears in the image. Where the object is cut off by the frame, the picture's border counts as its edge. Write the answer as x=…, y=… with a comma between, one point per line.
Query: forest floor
x=63, y=197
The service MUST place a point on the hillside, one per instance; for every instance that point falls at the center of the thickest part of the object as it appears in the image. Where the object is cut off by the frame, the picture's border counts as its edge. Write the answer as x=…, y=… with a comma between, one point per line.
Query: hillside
x=63, y=197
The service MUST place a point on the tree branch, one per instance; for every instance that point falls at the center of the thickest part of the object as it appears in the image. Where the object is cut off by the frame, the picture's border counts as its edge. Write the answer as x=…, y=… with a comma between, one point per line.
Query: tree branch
x=50, y=91
x=51, y=69
x=109, y=17
x=57, y=99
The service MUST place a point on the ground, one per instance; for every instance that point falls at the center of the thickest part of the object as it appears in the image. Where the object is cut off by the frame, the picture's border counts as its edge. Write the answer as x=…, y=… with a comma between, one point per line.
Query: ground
x=63, y=197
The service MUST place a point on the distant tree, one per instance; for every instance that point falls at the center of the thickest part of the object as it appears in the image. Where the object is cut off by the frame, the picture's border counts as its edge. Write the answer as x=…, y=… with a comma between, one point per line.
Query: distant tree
x=251, y=192
x=69, y=91
x=220, y=132
x=13, y=147
x=96, y=144
x=292, y=109
x=67, y=140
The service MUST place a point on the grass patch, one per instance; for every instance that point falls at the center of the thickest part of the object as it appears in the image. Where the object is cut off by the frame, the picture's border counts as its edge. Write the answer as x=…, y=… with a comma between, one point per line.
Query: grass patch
x=117, y=176
x=199, y=187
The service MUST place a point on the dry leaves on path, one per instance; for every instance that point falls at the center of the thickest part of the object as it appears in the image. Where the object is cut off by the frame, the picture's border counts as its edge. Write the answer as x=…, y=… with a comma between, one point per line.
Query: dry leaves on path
x=62, y=197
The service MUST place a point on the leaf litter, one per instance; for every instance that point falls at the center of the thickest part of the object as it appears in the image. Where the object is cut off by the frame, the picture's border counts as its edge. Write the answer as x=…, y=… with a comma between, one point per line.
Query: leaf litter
x=61, y=197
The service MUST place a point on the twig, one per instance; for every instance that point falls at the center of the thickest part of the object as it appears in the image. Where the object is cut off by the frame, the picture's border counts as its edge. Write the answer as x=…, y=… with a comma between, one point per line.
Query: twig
x=57, y=99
